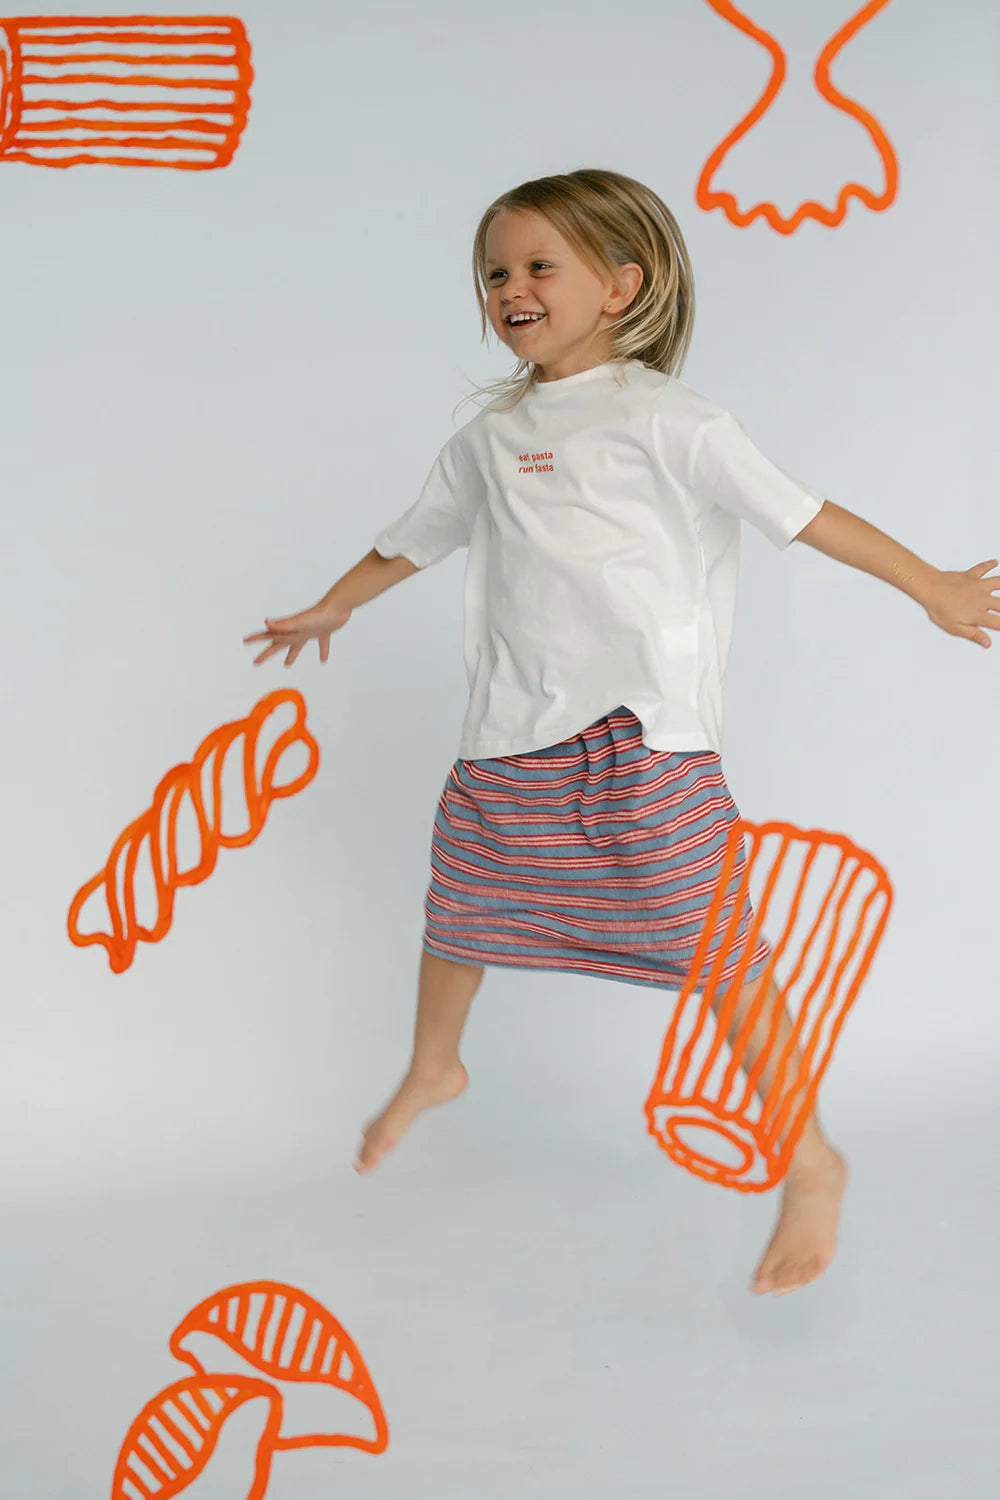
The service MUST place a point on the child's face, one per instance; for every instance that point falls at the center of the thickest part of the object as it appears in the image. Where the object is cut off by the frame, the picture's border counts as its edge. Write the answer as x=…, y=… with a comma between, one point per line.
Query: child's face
x=530, y=267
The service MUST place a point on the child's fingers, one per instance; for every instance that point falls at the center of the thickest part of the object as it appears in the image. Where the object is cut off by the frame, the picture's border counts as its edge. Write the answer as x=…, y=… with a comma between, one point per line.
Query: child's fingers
x=269, y=634
x=290, y=634
x=289, y=623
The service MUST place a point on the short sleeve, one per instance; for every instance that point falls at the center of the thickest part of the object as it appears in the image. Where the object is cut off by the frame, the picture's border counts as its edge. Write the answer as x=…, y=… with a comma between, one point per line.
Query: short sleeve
x=440, y=519
x=729, y=471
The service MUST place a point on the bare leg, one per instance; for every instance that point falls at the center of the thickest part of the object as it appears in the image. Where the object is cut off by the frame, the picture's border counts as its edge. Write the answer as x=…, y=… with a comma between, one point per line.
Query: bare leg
x=436, y=1073
x=805, y=1237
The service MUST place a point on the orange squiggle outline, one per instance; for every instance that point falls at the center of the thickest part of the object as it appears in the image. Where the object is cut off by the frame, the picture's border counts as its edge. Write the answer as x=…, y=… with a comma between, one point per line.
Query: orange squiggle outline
x=227, y=128
x=320, y=1332
x=120, y=943
x=708, y=199
x=188, y=1399
x=678, y=1098
x=175, y=1434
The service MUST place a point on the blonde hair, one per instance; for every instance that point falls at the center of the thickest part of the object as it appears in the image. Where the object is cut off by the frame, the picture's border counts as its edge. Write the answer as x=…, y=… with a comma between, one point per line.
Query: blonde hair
x=609, y=220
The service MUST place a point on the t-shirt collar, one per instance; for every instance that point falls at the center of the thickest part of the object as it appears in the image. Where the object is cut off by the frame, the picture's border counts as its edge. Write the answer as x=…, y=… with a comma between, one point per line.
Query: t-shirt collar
x=547, y=390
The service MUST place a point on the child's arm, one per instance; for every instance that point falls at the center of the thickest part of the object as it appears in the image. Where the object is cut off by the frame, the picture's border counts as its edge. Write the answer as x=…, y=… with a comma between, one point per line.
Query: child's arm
x=960, y=603
x=368, y=578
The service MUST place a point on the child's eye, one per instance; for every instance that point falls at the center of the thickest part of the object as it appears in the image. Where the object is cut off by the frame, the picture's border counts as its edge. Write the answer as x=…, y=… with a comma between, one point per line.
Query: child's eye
x=534, y=263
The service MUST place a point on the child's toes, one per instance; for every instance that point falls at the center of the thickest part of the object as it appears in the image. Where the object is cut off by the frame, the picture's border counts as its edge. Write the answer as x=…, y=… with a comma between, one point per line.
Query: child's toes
x=794, y=1276
x=368, y=1156
x=799, y=1275
x=764, y=1278
x=813, y=1270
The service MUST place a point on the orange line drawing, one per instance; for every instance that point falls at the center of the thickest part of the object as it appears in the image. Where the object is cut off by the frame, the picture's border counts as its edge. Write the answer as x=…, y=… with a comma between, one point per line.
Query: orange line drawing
x=695, y=1087
x=186, y=779
x=281, y=1331
x=173, y=1437
x=320, y=1352
x=708, y=198
x=123, y=91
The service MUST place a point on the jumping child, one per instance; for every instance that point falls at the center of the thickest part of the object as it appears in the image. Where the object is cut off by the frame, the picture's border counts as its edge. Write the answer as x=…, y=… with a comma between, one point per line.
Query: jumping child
x=584, y=824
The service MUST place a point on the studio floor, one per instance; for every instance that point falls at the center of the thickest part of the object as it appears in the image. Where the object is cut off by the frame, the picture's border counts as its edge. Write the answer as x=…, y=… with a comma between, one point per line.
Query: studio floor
x=538, y=1322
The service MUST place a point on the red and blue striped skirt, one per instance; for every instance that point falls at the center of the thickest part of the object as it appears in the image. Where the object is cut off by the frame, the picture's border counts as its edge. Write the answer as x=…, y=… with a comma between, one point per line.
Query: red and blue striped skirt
x=596, y=856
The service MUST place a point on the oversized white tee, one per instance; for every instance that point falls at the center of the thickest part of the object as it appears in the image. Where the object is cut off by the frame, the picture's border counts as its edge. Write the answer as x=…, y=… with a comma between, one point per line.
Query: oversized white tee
x=602, y=519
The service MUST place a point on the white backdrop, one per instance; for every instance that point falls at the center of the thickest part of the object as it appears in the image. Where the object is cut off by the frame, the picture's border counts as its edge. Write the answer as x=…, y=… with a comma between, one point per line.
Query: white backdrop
x=217, y=386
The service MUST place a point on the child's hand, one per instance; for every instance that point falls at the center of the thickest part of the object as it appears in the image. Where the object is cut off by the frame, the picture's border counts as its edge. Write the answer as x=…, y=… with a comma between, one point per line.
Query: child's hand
x=960, y=603
x=292, y=632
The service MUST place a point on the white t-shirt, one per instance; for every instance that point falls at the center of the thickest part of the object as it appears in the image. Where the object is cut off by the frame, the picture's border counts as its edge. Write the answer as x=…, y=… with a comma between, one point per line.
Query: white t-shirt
x=602, y=517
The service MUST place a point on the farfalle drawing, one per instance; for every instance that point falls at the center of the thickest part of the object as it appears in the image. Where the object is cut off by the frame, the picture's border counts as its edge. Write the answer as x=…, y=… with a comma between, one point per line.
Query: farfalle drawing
x=183, y=785
x=271, y=1329
x=288, y=1341
x=174, y=1436
x=123, y=91
x=877, y=199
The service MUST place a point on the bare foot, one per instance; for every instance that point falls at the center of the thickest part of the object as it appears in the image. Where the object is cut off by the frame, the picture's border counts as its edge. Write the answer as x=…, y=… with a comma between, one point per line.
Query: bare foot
x=414, y=1095
x=805, y=1237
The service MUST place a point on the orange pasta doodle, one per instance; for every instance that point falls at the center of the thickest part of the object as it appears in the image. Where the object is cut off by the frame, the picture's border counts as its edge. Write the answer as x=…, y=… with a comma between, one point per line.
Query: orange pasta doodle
x=708, y=198
x=186, y=780
x=280, y=1331
x=125, y=91
x=173, y=1437
x=755, y=1104
x=287, y=1335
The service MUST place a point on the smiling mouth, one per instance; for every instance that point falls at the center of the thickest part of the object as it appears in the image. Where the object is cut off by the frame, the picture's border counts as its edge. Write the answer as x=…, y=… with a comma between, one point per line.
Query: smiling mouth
x=531, y=323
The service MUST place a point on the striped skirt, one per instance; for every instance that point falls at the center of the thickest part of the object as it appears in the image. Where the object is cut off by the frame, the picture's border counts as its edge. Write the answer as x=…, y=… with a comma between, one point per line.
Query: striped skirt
x=596, y=856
